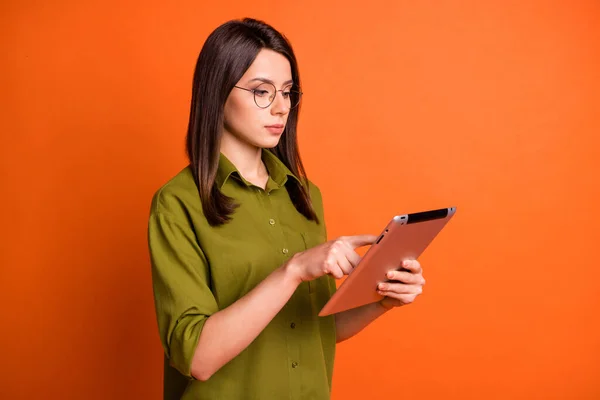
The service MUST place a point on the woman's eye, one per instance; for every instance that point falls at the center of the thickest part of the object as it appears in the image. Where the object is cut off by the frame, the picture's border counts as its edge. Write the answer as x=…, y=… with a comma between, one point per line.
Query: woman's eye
x=286, y=94
x=261, y=93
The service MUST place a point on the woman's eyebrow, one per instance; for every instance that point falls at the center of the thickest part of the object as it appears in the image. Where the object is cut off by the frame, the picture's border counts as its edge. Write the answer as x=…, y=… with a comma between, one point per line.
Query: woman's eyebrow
x=270, y=81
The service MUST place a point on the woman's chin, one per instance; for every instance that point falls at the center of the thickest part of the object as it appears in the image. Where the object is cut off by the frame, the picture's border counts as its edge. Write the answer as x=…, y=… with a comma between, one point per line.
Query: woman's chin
x=269, y=143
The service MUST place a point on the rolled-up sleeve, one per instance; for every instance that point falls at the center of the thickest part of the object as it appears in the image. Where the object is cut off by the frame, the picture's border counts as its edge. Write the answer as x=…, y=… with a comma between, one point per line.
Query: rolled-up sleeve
x=181, y=284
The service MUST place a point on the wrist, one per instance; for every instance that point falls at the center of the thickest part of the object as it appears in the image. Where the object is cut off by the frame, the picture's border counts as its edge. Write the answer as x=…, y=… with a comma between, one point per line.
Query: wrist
x=291, y=271
x=382, y=307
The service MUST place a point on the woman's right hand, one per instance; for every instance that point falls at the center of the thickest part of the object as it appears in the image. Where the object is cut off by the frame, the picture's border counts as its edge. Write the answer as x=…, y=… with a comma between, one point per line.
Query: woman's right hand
x=335, y=257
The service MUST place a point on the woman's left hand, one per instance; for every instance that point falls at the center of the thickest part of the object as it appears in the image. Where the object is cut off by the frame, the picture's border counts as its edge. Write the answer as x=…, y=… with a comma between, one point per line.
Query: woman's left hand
x=407, y=286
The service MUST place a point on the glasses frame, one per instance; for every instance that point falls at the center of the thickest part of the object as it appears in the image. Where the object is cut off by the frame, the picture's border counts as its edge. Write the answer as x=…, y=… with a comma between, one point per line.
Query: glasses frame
x=253, y=91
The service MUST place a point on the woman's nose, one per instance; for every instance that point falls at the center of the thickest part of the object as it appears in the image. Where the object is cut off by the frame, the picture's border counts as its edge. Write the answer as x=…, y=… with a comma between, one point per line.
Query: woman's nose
x=279, y=105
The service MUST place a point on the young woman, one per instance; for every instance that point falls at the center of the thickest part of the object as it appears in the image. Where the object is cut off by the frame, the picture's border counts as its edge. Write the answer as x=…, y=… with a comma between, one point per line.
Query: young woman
x=240, y=261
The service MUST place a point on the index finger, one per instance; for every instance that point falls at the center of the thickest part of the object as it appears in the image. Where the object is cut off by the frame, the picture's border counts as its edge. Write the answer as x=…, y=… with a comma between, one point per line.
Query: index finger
x=412, y=265
x=360, y=240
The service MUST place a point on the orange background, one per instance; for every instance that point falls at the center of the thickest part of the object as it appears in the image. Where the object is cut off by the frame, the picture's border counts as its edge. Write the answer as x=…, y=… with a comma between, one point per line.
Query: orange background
x=491, y=106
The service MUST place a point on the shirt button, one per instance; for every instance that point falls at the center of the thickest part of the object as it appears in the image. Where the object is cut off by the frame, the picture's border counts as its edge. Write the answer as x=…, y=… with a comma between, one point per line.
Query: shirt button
x=294, y=364
x=272, y=221
x=292, y=325
x=285, y=251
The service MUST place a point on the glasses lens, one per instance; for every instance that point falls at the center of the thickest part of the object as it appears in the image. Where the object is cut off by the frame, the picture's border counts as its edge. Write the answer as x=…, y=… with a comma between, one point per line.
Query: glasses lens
x=264, y=95
x=291, y=96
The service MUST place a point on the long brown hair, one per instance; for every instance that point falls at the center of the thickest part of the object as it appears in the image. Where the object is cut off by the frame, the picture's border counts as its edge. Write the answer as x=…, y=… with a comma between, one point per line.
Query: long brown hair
x=226, y=55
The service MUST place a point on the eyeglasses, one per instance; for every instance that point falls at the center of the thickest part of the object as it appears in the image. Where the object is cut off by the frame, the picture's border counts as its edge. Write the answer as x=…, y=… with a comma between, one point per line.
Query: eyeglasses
x=265, y=93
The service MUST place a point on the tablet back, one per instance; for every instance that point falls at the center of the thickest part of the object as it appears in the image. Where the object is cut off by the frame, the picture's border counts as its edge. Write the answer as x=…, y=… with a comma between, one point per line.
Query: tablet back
x=404, y=238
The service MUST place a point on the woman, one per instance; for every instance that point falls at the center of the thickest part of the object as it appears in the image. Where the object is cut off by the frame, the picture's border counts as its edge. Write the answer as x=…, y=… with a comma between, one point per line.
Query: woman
x=240, y=261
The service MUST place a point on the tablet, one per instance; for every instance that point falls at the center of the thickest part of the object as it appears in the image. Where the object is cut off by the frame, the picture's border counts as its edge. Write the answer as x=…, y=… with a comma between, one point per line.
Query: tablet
x=404, y=238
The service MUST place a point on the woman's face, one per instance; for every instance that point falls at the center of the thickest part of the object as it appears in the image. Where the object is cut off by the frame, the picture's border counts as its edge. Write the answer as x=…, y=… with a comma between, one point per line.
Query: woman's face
x=244, y=120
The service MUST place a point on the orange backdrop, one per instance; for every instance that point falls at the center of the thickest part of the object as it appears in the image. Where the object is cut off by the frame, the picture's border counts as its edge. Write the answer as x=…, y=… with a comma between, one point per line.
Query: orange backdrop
x=490, y=106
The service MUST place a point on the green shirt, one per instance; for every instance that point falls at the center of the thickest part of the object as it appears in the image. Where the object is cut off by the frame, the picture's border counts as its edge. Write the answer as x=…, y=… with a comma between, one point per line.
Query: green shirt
x=198, y=270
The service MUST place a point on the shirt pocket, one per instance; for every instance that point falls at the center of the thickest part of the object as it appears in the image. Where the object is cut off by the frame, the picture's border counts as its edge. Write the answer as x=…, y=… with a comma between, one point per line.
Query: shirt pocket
x=313, y=239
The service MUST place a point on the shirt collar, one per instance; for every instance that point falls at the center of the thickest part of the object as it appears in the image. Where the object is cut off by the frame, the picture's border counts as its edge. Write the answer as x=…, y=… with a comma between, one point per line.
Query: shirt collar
x=278, y=171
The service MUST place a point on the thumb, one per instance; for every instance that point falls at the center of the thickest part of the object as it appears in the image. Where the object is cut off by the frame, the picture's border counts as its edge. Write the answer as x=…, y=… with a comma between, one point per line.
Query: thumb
x=360, y=240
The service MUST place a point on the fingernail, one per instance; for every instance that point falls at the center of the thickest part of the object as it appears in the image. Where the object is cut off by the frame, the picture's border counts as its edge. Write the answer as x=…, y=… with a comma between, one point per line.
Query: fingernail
x=405, y=263
x=390, y=274
x=381, y=286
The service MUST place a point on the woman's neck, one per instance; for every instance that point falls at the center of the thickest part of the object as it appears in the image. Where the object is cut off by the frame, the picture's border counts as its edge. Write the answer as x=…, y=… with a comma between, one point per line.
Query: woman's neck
x=247, y=159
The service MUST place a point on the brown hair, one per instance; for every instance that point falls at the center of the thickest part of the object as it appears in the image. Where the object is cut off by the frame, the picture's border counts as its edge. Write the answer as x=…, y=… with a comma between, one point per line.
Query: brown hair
x=226, y=55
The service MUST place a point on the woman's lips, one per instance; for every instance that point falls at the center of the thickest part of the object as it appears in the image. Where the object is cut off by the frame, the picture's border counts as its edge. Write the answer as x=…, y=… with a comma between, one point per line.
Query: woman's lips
x=275, y=129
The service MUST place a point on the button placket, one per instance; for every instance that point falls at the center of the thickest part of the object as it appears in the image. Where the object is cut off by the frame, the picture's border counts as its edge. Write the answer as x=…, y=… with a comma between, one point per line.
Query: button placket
x=284, y=250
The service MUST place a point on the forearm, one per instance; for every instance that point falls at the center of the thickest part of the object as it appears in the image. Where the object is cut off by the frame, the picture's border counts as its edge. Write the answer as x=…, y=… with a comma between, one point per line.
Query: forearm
x=229, y=331
x=349, y=323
